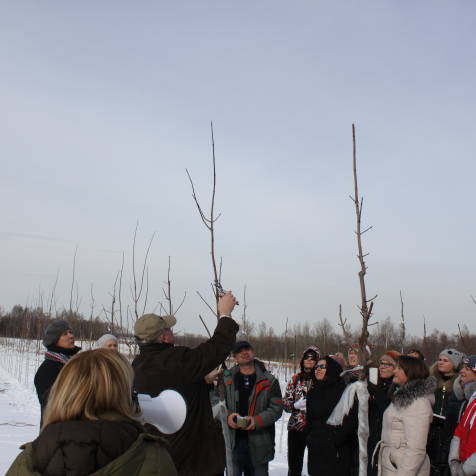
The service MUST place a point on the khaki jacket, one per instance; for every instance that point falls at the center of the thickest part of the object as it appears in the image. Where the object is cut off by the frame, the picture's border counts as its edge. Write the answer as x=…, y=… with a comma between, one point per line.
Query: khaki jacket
x=406, y=423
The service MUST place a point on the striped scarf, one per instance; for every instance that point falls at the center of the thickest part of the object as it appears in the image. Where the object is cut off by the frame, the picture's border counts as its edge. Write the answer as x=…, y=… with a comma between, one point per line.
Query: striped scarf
x=56, y=356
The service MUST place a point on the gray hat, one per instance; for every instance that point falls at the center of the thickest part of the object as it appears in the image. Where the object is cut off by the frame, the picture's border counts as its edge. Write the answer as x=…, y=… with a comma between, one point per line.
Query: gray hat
x=454, y=355
x=149, y=326
x=470, y=362
x=106, y=338
x=54, y=331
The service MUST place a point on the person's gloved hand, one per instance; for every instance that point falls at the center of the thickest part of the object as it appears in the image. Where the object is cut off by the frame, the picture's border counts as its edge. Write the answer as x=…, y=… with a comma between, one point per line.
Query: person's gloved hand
x=300, y=404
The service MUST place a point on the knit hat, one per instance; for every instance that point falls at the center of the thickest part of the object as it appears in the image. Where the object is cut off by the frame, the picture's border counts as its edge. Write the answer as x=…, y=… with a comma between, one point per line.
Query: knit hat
x=105, y=338
x=454, y=355
x=54, y=331
x=149, y=326
x=470, y=362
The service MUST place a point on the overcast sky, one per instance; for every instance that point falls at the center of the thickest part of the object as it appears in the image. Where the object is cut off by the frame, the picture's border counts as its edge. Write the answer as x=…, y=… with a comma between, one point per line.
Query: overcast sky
x=104, y=104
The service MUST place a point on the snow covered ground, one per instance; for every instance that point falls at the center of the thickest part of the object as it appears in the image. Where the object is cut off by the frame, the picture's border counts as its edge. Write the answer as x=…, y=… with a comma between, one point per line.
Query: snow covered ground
x=20, y=410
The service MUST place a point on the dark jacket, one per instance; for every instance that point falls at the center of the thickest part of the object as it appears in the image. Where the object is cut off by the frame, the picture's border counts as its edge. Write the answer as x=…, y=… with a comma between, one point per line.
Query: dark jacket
x=265, y=404
x=198, y=448
x=48, y=371
x=326, y=455
x=297, y=388
x=380, y=398
x=102, y=447
x=442, y=429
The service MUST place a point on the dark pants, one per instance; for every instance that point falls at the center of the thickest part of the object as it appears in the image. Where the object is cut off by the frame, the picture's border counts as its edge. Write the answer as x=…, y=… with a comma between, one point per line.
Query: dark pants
x=242, y=463
x=296, y=447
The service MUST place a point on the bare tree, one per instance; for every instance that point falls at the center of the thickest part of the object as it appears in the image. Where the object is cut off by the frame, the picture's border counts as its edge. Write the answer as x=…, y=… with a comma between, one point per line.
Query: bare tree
x=209, y=222
x=366, y=305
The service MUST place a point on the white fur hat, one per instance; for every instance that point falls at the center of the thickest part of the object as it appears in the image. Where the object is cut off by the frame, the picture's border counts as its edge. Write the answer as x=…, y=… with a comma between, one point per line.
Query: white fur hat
x=105, y=338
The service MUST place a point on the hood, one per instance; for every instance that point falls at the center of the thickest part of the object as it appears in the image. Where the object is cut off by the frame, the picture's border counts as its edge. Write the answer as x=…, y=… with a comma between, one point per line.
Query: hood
x=462, y=391
x=306, y=350
x=441, y=380
x=418, y=388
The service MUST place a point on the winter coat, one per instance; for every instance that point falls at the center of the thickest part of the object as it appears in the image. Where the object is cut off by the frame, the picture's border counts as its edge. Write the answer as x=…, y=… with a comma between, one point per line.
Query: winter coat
x=351, y=418
x=297, y=388
x=197, y=449
x=405, y=430
x=265, y=405
x=327, y=453
x=442, y=429
x=380, y=398
x=118, y=447
x=49, y=369
x=463, y=445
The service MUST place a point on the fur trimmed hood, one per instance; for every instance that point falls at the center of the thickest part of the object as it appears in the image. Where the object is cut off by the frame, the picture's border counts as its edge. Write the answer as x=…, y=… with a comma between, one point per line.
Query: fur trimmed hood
x=463, y=392
x=440, y=381
x=409, y=392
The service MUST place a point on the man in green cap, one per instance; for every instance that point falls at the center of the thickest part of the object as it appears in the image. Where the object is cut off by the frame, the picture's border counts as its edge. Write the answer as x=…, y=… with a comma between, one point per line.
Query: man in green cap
x=197, y=449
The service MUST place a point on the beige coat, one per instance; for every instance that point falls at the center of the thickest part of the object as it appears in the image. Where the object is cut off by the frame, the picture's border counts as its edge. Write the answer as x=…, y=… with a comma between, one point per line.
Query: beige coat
x=406, y=423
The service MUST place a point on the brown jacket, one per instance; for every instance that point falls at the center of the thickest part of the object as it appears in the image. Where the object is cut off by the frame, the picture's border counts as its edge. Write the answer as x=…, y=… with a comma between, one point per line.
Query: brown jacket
x=198, y=448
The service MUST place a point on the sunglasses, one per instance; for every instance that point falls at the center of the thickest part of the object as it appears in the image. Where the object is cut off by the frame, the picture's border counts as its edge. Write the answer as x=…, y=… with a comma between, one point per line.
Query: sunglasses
x=321, y=366
x=310, y=357
x=382, y=363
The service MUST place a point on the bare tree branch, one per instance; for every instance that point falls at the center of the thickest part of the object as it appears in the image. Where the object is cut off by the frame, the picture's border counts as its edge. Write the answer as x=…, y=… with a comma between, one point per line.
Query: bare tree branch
x=402, y=324
x=72, y=281
x=345, y=328
x=206, y=328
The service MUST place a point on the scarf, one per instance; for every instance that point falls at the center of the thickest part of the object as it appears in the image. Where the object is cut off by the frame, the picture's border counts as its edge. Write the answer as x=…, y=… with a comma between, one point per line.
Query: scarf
x=56, y=356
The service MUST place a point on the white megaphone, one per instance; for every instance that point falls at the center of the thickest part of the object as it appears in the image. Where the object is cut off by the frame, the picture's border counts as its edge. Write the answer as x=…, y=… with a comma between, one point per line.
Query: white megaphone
x=167, y=411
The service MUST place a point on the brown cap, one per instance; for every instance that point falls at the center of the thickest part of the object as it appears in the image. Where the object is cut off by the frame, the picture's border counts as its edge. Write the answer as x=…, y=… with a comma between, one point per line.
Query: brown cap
x=149, y=326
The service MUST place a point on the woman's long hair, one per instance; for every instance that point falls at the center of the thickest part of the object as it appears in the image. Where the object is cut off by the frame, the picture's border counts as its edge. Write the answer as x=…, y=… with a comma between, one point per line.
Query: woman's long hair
x=91, y=383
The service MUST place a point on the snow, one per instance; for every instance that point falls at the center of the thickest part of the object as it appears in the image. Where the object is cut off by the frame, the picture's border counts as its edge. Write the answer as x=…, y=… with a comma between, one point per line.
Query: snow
x=20, y=410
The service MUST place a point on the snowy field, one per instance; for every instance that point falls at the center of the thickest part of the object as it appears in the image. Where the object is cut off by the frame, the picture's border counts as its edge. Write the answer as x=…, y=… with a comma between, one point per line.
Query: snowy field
x=20, y=410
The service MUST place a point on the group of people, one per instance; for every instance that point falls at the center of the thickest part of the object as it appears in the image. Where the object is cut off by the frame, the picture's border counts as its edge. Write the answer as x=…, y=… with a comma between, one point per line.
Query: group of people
x=355, y=416
x=392, y=417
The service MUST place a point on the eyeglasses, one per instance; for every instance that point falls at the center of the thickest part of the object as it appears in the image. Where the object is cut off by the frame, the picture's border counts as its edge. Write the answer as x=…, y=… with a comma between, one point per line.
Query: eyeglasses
x=321, y=366
x=382, y=363
x=310, y=357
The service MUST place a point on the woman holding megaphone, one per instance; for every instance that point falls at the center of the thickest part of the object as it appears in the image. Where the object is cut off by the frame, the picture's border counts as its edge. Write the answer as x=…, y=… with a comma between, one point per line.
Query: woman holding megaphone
x=91, y=427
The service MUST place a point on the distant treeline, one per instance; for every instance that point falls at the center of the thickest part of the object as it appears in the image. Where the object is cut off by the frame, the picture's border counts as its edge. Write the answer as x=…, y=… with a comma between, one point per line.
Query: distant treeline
x=29, y=323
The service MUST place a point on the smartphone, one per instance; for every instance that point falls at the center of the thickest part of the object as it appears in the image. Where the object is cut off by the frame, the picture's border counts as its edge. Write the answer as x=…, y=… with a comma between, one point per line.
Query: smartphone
x=373, y=375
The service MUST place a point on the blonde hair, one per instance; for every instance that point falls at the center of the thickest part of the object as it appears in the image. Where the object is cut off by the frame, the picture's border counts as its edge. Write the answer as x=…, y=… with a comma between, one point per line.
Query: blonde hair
x=92, y=382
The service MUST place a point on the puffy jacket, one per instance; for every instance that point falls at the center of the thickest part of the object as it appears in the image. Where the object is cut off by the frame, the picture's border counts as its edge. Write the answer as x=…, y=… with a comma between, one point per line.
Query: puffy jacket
x=99, y=448
x=463, y=445
x=265, y=404
x=405, y=430
x=198, y=448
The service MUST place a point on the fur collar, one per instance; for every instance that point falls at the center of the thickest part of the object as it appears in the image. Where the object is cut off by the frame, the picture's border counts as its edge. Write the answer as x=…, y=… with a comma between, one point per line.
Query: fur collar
x=441, y=381
x=409, y=392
